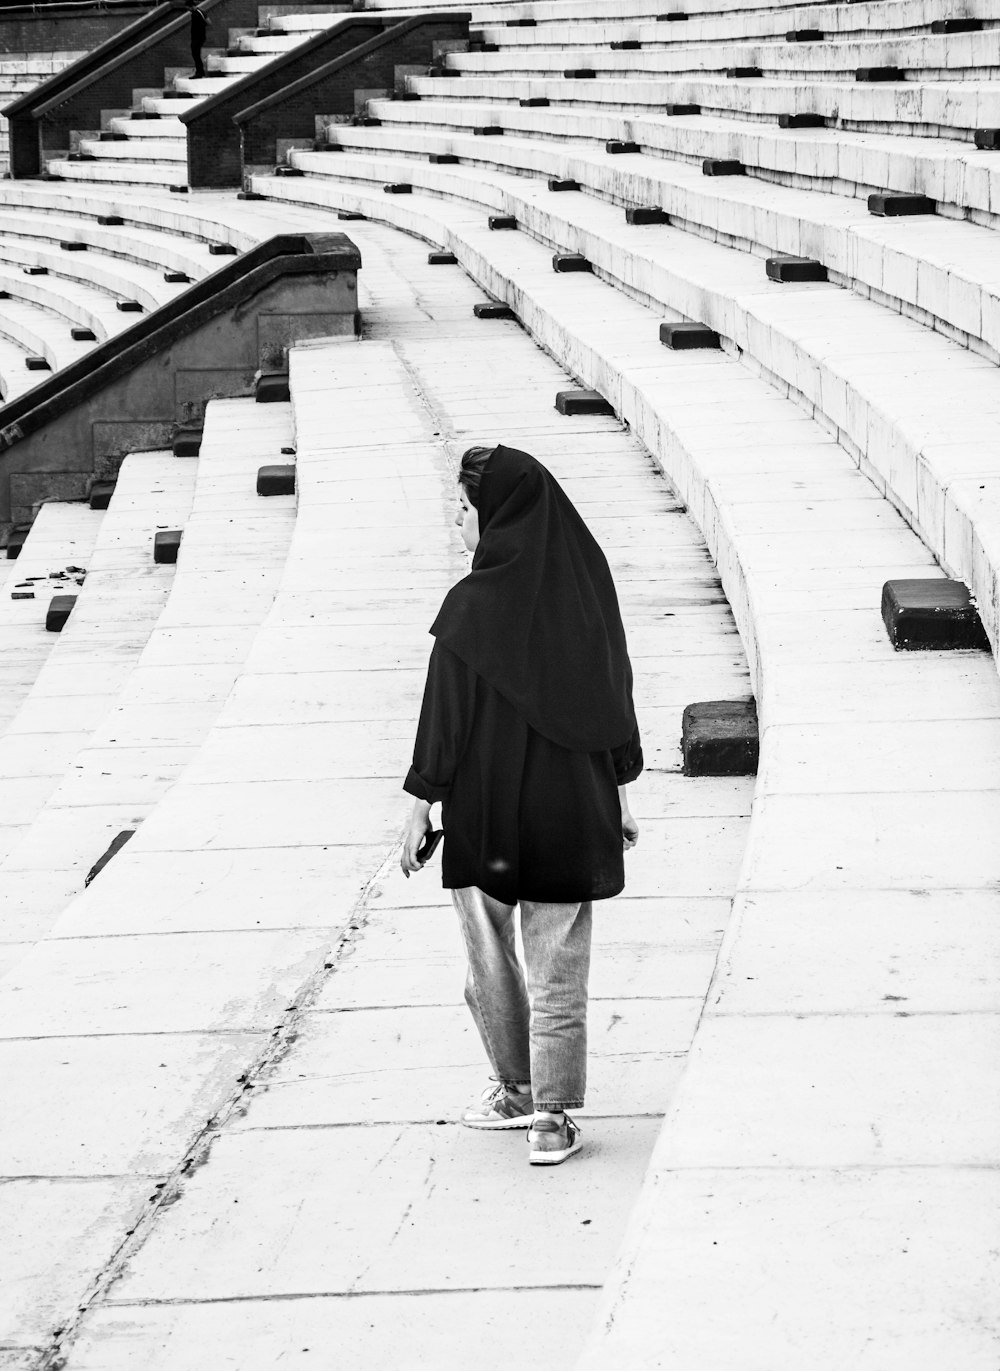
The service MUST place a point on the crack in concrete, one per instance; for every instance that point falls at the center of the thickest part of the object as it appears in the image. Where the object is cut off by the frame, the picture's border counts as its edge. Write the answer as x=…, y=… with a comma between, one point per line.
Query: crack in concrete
x=170, y=1190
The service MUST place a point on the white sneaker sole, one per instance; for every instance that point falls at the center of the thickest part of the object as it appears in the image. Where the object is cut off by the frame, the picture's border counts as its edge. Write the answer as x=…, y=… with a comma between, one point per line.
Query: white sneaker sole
x=524, y=1122
x=554, y=1158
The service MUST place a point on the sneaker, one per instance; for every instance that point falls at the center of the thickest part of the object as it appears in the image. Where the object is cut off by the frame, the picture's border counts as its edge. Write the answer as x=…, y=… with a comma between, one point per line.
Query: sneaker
x=551, y=1142
x=500, y=1108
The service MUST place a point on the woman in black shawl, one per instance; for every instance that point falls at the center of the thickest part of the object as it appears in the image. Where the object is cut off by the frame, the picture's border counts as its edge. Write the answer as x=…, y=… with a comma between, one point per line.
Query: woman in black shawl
x=528, y=737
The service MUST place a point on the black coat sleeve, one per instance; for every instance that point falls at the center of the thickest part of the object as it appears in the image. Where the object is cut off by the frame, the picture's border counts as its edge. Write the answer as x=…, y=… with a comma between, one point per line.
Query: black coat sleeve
x=628, y=759
x=446, y=717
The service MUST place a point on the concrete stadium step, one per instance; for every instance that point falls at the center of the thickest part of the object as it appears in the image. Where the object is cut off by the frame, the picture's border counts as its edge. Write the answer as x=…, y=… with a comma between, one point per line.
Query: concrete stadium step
x=309, y=745
x=857, y=20
x=915, y=432
x=159, y=228
x=103, y=271
x=939, y=271
x=73, y=691
x=136, y=149
x=922, y=108
x=806, y=600
x=959, y=178
x=75, y=299
x=62, y=535
x=953, y=57
x=34, y=324
x=106, y=172
x=202, y=617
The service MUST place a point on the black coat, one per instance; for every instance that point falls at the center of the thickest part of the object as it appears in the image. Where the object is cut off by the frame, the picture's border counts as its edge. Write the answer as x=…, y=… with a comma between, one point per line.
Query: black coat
x=523, y=817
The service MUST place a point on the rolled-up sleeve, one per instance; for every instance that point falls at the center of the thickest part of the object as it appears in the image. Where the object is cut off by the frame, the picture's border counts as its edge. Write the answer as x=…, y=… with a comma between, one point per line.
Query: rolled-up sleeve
x=627, y=759
x=446, y=718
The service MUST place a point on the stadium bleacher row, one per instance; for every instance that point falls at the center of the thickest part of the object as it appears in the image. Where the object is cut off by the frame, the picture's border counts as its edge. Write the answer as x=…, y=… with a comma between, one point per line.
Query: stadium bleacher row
x=817, y=187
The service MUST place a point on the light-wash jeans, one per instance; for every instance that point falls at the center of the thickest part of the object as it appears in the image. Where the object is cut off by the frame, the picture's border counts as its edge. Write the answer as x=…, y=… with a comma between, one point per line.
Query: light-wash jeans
x=533, y=1023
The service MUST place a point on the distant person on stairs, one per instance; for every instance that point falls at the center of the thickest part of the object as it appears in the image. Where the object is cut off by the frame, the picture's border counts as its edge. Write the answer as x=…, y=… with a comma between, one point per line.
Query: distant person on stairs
x=528, y=737
x=199, y=26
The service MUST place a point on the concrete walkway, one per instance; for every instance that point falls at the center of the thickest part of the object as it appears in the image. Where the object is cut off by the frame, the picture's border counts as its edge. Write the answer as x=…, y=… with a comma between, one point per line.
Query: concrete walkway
x=303, y=1195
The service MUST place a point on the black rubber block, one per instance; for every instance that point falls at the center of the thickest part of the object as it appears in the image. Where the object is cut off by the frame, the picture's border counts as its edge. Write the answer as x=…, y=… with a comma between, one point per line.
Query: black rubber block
x=673, y=17
x=187, y=442
x=15, y=541
x=83, y=335
x=720, y=738
x=349, y=215
x=441, y=259
x=722, y=166
x=100, y=494
x=488, y=131
x=115, y=846
x=683, y=337
x=891, y=206
x=956, y=26
x=272, y=388
x=744, y=73
x=626, y=45
x=580, y=74
x=444, y=159
x=110, y=220
x=804, y=36
x=179, y=190
x=176, y=278
x=931, y=615
x=677, y=111
x=72, y=246
x=878, y=74
x=128, y=306
x=276, y=480
x=521, y=23
x=222, y=250
x=249, y=195
x=398, y=188
x=489, y=310
x=620, y=145
x=570, y=261
x=502, y=221
x=36, y=363
x=289, y=171
x=35, y=271
x=535, y=102
x=988, y=140
x=582, y=402
x=60, y=608
x=166, y=545
x=801, y=121
x=786, y=269
x=646, y=214
x=555, y=184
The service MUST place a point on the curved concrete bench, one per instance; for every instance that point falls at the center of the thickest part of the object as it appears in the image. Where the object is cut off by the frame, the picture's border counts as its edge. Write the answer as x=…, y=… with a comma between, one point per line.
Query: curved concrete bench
x=40, y=330
x=932, y=108
x=182, y=658
x=940, y=272
x=782, y=1127
x=960, y=178
x=282, y=831
x=61, y=535
x=914, y=446
x=74, y=301
x=135, y=246
x=74, y=688
x=924, y=58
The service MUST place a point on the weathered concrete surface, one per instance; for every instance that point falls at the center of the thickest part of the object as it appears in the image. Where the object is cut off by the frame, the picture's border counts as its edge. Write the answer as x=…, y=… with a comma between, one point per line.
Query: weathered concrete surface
x=213, y=926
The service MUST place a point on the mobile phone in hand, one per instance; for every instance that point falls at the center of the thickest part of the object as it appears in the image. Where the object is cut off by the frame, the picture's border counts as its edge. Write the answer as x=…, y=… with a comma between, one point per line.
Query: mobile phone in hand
x=429, y=845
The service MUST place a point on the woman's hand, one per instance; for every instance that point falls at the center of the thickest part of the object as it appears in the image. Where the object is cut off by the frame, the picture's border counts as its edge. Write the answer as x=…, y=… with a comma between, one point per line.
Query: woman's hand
x=420, y=823
x=630, y=829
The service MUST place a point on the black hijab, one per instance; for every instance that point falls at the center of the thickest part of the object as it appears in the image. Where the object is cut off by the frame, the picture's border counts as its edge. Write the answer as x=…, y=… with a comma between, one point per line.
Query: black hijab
x=537, y=617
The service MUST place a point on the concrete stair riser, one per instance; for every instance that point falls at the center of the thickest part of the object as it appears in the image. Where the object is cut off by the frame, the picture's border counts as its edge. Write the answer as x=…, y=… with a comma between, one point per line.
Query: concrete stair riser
x=840, y=389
